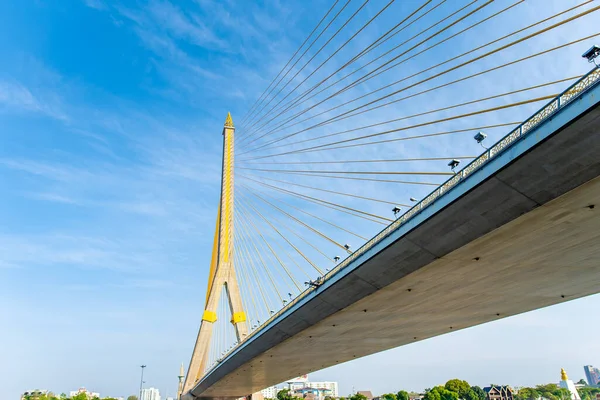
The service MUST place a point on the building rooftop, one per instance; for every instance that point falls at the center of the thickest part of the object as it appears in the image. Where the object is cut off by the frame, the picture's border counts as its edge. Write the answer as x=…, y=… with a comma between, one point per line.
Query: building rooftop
x=366, y=393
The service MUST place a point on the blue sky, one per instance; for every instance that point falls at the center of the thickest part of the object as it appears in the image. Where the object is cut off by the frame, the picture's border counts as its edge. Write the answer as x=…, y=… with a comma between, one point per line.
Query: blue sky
x=110, y=139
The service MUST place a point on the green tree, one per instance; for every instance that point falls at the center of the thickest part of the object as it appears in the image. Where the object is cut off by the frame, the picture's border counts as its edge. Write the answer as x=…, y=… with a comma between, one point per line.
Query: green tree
x=389, y=396
x=470, y=395
x=402, y=395
x=357, y=396
x=527, y=393
x=63, y=396
x=80, y=396
x=551, y=391
x=481, y=394
x=432, y=394
x=440, y=393
x=582, y=382
x=564, y=394
x=588, y=393
x=286, y=394
x=584, y=393
x=549, y=388
x=132, y=397
x=458, y=386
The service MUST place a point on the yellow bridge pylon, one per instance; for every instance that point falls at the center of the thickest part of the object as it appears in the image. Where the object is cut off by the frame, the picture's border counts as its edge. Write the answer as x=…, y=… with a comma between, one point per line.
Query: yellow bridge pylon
x=222, y=271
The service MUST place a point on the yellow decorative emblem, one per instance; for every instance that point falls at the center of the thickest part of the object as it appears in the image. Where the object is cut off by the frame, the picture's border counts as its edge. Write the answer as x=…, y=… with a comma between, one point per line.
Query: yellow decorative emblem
x=238, y=317
x=229, y=121
x=209, y=316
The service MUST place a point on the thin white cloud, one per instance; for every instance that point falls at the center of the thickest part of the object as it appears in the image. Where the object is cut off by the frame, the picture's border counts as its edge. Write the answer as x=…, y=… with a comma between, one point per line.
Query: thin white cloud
x=95, y=4
x=192, y=28
x=54, y=198
x=16, y=97
x=64, y=250
x=55, y=172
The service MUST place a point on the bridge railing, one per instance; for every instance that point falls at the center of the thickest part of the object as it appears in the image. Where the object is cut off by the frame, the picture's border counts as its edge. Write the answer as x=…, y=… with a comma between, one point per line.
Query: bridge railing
x=571, y=93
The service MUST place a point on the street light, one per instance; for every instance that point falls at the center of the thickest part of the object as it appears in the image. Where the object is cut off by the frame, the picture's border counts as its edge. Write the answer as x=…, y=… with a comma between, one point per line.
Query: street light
x=479, y=138
x=592, y=54
x=453, y=164
x=142, y=380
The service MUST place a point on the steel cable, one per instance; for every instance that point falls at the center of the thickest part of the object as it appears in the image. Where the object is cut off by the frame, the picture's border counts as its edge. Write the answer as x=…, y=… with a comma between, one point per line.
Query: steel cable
x=289, y=61
x=307, y=213
x=368, y=49
x=387, y=132
x=410, y=49
x=339, y=117
x=298, y=99
x=336, y=51
x=285, y=238
x=257, y=114
x=266, y=146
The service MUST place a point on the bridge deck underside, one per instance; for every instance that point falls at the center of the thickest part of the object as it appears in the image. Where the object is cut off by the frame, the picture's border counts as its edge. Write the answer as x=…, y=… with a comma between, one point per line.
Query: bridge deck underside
x=531, y=228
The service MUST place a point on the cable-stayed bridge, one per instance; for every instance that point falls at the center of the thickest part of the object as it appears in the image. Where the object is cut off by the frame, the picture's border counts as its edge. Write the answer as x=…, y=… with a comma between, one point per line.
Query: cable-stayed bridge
x=326, y=251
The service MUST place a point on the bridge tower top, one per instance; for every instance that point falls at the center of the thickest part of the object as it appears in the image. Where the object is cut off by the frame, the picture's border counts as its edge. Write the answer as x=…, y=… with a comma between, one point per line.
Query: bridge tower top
x=228, y=122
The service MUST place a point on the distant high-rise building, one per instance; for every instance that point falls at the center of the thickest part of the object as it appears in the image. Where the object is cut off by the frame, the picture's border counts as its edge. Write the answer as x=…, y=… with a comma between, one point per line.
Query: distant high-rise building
x=592, y=375
x=270, y=392
x=150, y=394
